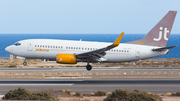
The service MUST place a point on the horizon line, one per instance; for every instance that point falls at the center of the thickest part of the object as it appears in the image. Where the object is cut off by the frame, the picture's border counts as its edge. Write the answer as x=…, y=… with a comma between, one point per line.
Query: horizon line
x=77, y=33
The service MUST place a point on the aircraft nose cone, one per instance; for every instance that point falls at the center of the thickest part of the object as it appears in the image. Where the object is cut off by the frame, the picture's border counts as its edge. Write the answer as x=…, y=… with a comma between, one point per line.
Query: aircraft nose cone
x=7, y=49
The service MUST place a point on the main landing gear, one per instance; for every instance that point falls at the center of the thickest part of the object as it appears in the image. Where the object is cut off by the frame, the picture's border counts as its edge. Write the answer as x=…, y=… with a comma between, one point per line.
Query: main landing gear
x=88, y=67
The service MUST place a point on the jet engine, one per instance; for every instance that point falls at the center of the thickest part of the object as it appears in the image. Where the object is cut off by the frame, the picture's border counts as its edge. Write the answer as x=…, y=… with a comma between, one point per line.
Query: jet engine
x=66, y=59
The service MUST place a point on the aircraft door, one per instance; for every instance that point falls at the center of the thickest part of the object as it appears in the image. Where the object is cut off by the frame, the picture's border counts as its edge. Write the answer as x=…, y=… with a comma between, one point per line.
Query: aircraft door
x=30, y=46
x=137, y=54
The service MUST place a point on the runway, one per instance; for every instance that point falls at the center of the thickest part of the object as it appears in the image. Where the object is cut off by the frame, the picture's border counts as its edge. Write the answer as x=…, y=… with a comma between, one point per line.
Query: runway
x=92, y=85
x=94, y=68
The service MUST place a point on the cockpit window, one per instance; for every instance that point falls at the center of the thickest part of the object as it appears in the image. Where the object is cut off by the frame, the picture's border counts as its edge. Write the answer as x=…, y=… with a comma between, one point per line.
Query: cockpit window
x=17, y=44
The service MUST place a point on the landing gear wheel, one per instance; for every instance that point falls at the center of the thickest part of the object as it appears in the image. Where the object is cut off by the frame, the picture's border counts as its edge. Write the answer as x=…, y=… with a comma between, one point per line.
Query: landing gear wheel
x=88, y=67
x=24, y=63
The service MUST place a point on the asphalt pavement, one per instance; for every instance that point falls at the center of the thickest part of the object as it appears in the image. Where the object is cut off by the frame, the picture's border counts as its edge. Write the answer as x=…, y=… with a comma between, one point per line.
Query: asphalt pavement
x=156, y=86
x=94, y=68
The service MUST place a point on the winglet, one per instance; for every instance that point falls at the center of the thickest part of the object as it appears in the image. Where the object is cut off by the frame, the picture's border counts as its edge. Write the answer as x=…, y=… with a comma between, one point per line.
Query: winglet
x=118, y=40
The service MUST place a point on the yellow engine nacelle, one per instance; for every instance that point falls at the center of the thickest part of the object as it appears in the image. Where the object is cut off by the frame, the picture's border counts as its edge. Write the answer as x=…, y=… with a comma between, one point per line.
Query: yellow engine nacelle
x=66, y=59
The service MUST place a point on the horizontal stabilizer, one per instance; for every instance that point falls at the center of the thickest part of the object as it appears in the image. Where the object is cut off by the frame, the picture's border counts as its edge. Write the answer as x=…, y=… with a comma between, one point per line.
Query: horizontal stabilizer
x=164, y=48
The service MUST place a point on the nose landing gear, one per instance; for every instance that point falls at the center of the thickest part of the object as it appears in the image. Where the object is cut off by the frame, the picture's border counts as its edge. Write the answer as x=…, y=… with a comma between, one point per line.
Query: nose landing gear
x=25, y=63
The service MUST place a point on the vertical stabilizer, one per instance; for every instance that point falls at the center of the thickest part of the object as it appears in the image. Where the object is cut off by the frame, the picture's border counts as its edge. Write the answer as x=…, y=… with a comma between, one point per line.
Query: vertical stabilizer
x=159, y=34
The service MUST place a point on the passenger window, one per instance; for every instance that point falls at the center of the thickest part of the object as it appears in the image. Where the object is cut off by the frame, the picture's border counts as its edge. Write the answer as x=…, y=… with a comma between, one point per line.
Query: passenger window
x=43, y=46
x=35, y=45
x=122, y=50
x=77, y=48
x=127, y=51
x=82, y=48
x=119, y=50
x=61, y=47
x=46, y=46
x=51, y=46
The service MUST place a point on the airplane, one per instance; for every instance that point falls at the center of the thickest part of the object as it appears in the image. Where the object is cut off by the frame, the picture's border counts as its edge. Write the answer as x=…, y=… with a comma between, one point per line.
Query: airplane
x=71, y=52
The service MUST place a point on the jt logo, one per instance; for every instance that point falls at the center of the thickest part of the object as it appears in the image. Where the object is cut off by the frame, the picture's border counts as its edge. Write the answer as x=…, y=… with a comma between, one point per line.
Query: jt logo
x=160, y=34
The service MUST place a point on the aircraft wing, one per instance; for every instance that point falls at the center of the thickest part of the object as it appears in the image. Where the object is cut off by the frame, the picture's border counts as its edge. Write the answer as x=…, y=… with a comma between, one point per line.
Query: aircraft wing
x=99, y=53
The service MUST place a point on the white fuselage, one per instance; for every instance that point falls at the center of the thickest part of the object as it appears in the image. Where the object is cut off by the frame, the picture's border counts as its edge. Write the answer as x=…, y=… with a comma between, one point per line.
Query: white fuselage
x=49, y=48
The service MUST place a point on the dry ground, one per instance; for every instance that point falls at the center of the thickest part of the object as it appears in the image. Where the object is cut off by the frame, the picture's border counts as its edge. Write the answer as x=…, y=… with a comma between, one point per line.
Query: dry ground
x=163, y=62
x=164, y=98
x=170, y=98
x=82, y=99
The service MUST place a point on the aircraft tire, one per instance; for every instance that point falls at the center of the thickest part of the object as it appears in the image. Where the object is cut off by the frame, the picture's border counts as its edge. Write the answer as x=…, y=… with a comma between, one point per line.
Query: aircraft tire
x=88, y=67
x=24, y=63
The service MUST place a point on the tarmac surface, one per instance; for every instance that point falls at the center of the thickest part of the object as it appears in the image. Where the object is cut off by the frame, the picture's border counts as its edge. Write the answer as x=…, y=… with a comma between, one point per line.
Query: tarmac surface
x=157, y=86
x=94, y=68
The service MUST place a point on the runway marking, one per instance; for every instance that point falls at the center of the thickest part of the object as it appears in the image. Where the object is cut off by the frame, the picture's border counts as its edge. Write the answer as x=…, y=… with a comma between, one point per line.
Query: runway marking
x=68, y=78
x=105, y=69
x=83, y=69
x=35, y=84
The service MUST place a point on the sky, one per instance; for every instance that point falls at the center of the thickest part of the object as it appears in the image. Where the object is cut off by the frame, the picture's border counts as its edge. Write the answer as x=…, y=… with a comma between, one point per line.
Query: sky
x=84, y=16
